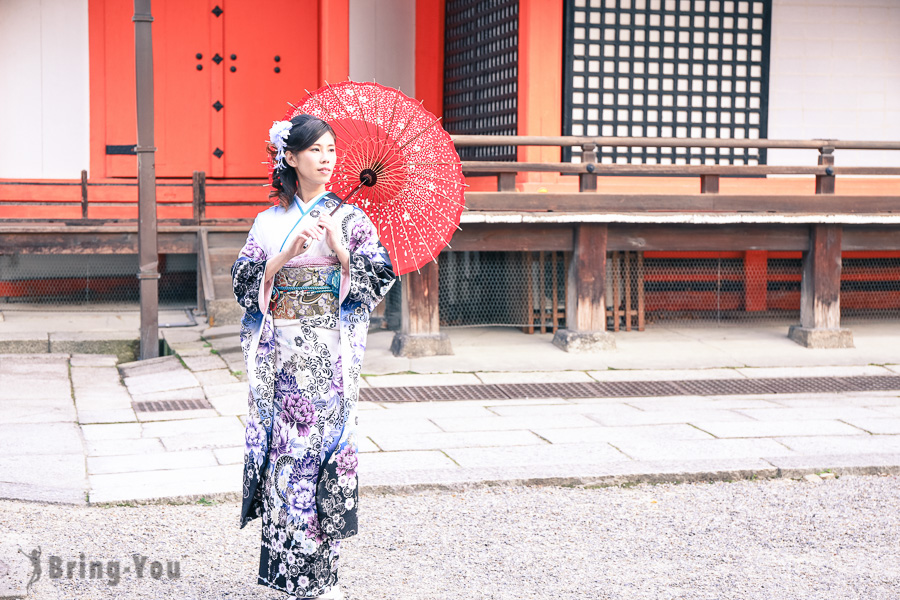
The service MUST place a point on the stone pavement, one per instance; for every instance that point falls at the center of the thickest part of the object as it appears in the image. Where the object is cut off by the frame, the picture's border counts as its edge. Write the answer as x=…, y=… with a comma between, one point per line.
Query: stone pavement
x=78, y=427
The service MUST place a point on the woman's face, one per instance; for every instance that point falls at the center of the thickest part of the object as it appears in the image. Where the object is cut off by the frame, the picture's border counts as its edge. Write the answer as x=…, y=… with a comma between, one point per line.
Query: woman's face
x=315, y=164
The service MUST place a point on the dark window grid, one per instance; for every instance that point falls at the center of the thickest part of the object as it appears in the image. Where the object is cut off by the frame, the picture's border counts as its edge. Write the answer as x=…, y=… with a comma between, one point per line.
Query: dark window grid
x=481, y=81
x=756, y=38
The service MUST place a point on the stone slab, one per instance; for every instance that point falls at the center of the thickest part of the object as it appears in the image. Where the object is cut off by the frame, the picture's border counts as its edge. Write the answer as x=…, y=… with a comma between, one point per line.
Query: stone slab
x=123, y=446
x=436, y=441
x=393, y=426
x=192, y=393
x=116, y=431
x=47, y=387
x=700, y=449
x=106, y=416
x=161, y=382
x=840, y=464
x=169, y=484
x=36, y=411
x=18, y=439
x=45, y=470
x=763, y=429
x=215, y=377
x=821, y=338
x=199, y=363
x=180, y=335
x=584, y=342
x=664, y=374
x=417, y=346
x=500, y=377
x=96, y=377
x=367, y=445
x=235, y=389
x=229, y=405
x=97, y=465
x=406, y=459
x=40, y=493
x=39, y=358
x=861, y=444
x=170, y=428
x=124, y=345
x=431, y=379
x=160, y=364
x=23, y=343
x=101, y=401
x=547, y=454
x=175, y=415
x=94, y=360
x=222, y=331
x=429, y=410
x=810, y=414
x=497, y=423
x=877, y=426
x=820, y=371
x=229, y=456
x=595, y=435
x=209, y=439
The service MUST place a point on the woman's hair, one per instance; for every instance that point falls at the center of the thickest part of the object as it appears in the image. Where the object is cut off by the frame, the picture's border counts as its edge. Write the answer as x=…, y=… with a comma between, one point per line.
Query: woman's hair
x=305, y=131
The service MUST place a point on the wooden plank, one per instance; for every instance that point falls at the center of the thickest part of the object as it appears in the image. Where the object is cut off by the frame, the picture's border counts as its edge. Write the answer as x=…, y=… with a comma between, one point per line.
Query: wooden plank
x=707, y=238
x=509, y=237
x=820, y=287
x=585, y=302
x=870, y=237
x=630, y=203
x=709, y=184
x=462, y=140
x=92, y=243
x=478, y=167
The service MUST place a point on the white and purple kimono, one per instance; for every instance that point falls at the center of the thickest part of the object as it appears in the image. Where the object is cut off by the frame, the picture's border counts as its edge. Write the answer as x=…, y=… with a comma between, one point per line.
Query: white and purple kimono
x=304, y=352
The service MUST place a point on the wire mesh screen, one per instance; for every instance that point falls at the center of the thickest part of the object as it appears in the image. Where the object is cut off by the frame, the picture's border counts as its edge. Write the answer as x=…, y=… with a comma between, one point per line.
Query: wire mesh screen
x=481, y=45
x=668, y=68
x=528, y=289
x=521, y=289
x=92, y=281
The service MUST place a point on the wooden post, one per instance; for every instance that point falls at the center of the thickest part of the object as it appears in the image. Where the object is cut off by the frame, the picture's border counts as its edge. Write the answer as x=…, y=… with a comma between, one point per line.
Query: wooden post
x=84, y=195
x=587, y=182
x=148, y=253
x=756, y=280
x=820, y=286
x=506, y=182
x=419, y=333
x=586, y=293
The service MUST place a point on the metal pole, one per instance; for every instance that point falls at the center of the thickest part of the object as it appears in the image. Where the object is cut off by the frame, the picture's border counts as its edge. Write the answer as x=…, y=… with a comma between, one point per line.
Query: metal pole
x=148, y=258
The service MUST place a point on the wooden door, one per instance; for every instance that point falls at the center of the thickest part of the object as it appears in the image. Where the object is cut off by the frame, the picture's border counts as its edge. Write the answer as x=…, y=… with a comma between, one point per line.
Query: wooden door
x=217, y=83
x=276, y=48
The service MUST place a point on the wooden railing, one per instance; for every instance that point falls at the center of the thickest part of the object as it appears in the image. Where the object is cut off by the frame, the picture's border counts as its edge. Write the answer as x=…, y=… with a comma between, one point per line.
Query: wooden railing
x=189, y=202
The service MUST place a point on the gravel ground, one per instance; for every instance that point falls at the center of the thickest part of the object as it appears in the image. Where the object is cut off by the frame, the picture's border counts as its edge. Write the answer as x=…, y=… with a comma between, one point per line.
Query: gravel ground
x=779, y=539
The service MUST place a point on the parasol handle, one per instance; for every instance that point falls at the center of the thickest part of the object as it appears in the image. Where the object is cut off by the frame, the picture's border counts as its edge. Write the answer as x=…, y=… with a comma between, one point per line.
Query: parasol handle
x=367, y=178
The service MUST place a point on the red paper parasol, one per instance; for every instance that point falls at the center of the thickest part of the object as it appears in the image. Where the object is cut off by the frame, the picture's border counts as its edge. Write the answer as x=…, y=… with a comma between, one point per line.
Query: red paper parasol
x=396, y=163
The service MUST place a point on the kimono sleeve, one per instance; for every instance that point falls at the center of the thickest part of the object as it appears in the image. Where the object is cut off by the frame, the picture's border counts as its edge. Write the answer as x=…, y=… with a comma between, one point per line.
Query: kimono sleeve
x=371, y=272
x=248, y=276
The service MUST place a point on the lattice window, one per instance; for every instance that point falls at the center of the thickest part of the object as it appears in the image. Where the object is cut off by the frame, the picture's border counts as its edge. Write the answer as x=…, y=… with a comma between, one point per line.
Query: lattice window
x=481, y=50
x=668, y=68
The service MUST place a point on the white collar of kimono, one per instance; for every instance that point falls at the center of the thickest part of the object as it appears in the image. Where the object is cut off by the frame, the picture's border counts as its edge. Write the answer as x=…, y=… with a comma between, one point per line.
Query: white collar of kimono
x=305, y=209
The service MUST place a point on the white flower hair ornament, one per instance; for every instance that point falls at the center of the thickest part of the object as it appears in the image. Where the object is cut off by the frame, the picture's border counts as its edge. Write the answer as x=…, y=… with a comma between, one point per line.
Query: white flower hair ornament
x=278, y=135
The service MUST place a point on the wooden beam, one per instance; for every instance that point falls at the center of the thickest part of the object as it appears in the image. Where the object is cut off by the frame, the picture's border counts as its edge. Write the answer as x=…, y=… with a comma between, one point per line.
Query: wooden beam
x=631, y=203
x=707, y=238
x=512, y=237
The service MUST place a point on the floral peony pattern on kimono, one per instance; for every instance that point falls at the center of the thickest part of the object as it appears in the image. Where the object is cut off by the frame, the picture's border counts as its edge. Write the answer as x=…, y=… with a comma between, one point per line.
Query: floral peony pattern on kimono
x=301, y=440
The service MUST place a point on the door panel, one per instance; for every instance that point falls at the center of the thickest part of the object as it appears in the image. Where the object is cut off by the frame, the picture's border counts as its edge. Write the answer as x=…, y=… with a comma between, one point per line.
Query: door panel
x=255, y=94
x=188, y=127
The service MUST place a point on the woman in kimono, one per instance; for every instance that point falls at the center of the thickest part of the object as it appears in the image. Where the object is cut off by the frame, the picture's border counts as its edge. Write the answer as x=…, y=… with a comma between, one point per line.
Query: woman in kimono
x=307, y=282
